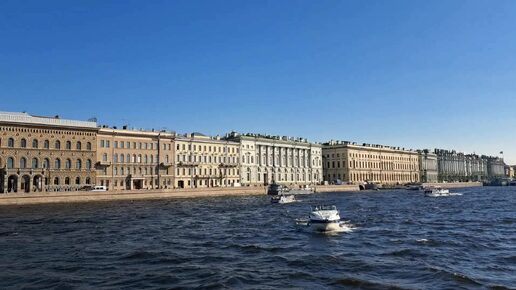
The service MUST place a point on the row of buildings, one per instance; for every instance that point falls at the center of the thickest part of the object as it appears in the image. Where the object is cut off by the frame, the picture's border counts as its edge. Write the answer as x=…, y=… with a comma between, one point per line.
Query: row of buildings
x=54, y=154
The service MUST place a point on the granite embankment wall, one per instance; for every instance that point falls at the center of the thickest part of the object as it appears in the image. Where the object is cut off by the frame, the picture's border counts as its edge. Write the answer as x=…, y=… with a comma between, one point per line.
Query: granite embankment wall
x=85, y=196
x=454, y=184
x=336, y=188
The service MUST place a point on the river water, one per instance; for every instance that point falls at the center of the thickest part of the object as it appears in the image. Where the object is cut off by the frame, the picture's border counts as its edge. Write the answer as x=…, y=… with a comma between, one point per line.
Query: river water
x=399, y=240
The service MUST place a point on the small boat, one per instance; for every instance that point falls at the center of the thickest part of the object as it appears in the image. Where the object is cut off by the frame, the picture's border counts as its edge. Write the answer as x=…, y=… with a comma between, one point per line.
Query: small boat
x=324, y=218
x=436, y=191
x=278, y=189
x=283, y=198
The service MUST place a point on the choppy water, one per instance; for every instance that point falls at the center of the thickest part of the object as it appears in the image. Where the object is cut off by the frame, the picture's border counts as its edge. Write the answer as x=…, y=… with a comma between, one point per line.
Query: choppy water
x=400, y=240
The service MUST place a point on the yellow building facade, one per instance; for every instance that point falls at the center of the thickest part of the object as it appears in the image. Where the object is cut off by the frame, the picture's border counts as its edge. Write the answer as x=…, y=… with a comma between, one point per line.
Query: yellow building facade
x=354, y=163
x=203, y=161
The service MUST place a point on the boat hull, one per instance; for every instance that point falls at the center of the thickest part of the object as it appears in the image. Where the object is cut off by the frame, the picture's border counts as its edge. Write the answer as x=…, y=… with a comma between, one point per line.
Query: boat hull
x=324, y=226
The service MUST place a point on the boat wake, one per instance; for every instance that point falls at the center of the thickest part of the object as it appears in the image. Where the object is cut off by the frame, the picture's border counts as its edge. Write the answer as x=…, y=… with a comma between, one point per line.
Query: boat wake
x=344, y=226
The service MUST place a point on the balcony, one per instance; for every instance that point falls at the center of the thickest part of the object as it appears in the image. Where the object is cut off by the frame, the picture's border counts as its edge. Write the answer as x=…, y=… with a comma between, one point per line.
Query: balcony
x=165, y=164
x=103, y=163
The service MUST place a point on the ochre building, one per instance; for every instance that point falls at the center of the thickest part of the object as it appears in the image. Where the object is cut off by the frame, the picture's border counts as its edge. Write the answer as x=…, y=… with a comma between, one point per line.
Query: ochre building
x=350, y=162
x=135, y=159
x=39, y=154
x=203, y=161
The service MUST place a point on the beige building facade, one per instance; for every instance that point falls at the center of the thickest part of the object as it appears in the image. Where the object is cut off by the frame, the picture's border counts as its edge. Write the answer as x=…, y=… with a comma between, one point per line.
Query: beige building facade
x=41, y=154
x=267, y=159
x=204, y=161
x=354, y=163
x=131, y=159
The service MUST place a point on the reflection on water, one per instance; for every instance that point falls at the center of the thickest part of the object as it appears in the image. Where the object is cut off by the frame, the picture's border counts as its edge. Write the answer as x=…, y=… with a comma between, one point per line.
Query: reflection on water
x=391, y=239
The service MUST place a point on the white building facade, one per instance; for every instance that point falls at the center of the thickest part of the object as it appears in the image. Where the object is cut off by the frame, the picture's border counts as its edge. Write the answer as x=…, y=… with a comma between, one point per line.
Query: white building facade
x=267, y=159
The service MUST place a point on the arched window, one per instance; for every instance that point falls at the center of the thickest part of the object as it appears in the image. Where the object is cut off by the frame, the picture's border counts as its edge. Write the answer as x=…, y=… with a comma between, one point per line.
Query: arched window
x=151, y=158
x=56, y=181
x=10, y=163
x=78, y=164
x=68, y=164
x=68, y=145
x=88, y=146
x=10, y=143
x=46, y=144
x=115, y=158
x=57, y=164
x=67, y=180
x=57, y=145
x=23, y=162
x=104, y=157
x=46, y=163
x=146, y=159
x=79, y=146
x=23, y=143
x=88, y=164
x=34, y=163
x=77, y=180
x=121, y=171
x=121, y=158
x=128, y=158
x=88, y=180
x=35, y=143
x=133, y=160
x=139, y=158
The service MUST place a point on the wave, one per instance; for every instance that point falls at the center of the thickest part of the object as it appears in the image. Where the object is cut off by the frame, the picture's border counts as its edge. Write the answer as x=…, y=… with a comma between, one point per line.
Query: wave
x=364, y=284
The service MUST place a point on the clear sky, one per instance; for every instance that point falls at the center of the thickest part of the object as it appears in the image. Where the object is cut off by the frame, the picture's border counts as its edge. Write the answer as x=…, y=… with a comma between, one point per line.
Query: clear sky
x=418, y=74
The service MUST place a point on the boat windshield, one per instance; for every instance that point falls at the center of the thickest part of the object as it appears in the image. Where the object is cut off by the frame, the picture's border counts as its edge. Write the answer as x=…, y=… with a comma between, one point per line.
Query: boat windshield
x=323, y=207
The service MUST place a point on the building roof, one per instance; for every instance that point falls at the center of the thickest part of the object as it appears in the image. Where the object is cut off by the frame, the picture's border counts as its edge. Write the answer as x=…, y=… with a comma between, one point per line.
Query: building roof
x=24, y=118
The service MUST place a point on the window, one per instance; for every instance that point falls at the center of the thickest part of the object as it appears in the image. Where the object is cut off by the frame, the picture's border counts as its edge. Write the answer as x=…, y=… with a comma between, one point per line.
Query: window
x=102, y=143
x=115, y=158
x=23, y=162
x=57, y=145
x=57, y=164
x=68, y=145
x=121, y=156
x=68, y=164
x=10, y=143
x=88, y=164
x=67, y=180
x=79, y=146
x=88, y=181
x=46, y=163
x=56, y=181
x=23, y=143
x=77, y=180
x=104, y=157
x=10, y=163
x=88, y=146
x=34, y=163
x=78, y=164
x=46, y=144
x=35, y=143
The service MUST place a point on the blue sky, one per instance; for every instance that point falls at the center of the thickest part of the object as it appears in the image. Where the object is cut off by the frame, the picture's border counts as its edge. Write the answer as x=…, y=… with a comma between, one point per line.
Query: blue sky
x=419, y=74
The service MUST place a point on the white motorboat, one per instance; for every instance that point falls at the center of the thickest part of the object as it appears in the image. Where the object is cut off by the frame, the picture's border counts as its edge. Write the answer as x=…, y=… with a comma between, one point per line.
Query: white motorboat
x=436, y=191
x=279, y=189
x=324, y=218
x=283, y=198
